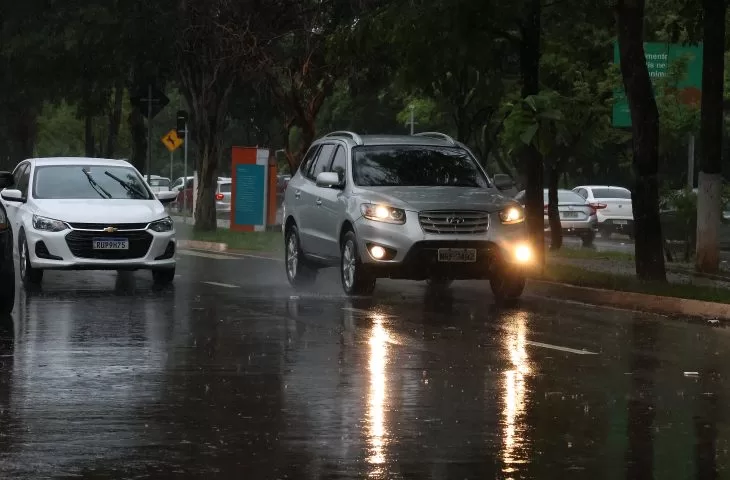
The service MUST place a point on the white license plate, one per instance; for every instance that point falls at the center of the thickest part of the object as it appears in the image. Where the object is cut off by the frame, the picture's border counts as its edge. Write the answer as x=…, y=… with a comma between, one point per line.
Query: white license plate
x=111, y=244
x=457, y=255
x=620, y=222
x=570, y=214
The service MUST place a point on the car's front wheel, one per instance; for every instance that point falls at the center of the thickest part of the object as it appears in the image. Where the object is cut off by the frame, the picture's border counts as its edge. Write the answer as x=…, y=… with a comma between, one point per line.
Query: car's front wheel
x=507, y=285
x=298, y=271
x=7, y=286
x=31, y=277
x=163, y=276
x=356, y=280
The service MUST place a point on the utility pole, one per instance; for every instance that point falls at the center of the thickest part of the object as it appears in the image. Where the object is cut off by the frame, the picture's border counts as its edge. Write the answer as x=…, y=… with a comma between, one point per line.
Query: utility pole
x=412, y=119
x=149, y=131
x=691, y=162
x=185, y=175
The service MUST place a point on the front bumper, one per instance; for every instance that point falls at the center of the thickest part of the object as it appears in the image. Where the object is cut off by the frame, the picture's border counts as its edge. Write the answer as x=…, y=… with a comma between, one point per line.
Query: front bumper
x=72, y=249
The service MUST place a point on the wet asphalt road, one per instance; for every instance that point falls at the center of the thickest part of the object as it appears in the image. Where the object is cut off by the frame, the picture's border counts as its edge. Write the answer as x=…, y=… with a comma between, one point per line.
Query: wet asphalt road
x=231, y=374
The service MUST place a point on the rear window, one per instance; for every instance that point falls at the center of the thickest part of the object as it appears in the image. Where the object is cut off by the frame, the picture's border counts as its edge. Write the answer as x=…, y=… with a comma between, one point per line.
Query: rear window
x=611, y=193
x=566, y=196
x=159, y=182
x=224, y=188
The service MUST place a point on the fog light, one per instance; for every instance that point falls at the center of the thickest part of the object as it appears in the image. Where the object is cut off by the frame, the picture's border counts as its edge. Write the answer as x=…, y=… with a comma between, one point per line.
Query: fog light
x=377, y=252
x=523, y=254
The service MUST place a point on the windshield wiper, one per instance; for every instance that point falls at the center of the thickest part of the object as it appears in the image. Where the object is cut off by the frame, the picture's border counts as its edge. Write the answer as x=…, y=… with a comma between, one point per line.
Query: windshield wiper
x=97, y=188
x=127, y=186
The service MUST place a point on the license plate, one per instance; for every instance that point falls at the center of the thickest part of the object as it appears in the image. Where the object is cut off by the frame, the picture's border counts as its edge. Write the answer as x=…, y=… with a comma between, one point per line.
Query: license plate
x=620, y=222
x=457, y=255
x=570, y=214
x=111, y=244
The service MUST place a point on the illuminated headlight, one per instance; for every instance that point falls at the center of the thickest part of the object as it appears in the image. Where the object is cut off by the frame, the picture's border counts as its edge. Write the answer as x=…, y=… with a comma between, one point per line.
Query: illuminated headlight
x=164, y=225
x=523, y=254
x=383, y=213
x=512, y=215
x=48, y=224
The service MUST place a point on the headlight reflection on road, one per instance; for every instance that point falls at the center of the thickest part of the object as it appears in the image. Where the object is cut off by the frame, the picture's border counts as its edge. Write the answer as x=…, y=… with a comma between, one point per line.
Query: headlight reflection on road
x=379, y=338
x=514, y=392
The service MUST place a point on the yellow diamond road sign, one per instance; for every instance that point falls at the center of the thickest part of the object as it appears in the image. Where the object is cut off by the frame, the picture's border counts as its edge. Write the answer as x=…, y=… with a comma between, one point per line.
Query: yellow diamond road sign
x=172, y=141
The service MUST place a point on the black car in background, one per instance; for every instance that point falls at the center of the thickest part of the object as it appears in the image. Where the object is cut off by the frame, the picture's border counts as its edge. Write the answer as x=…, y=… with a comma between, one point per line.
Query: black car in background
x=7, y=270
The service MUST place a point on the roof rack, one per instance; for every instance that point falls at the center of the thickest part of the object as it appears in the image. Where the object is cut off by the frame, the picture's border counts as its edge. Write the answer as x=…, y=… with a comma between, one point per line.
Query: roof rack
x=344, y=133
x=440, y=135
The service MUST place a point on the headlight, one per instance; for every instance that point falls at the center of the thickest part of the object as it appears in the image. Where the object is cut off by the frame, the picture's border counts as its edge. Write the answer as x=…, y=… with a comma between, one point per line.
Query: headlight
x=512, y=215
x=164, y=225
x=48, y=224
x=383, y=213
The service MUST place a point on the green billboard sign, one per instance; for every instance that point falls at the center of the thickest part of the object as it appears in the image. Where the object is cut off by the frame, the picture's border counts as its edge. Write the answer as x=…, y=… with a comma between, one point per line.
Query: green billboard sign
x=659, y=57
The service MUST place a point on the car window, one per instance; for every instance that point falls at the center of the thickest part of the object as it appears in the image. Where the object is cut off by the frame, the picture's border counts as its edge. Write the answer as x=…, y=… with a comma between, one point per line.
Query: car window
x=307, y=160
x=323, y=161
x=582, y=192
x=408, y=165
x=23, y=179
x=159, y=182
x=71, y=182
x=611, y=193
x=565, y=196
x=224, y=187
x=17, y=173
x=339, y=163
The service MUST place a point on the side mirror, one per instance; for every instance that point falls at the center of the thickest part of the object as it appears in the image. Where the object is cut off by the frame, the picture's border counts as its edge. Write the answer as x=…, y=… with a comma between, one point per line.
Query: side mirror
x=329, y=180
x=166, y=197
x=12, y=195
x=6, y=180
x=503, y=182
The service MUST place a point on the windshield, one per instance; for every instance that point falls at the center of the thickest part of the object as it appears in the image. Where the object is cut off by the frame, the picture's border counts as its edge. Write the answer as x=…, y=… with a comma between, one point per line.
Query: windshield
x=88, y=181
x=410, y=166
x=611, y=193
x=159, y=182
x=566, y=196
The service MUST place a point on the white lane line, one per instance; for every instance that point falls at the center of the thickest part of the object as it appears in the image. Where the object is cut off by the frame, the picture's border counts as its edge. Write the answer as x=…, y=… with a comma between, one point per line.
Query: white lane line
x=224, y=285
x=562, y=349
x=206, y=255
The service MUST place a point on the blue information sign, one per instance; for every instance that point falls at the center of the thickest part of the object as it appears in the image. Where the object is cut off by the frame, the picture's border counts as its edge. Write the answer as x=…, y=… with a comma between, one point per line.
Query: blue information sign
x=249, y=203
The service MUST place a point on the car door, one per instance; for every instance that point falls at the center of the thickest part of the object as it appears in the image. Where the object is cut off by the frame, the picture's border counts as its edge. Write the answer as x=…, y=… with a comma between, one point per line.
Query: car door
x=308, y=195
x=329, y=207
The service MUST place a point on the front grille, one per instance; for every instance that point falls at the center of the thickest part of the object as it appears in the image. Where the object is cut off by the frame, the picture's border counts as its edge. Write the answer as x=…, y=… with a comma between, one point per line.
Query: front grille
x=81, y=245
x=102, y=226
x=450, y=222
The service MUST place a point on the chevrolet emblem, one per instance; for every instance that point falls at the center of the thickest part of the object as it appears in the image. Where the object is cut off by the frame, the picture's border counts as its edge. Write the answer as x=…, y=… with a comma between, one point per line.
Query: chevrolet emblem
x=110, y=229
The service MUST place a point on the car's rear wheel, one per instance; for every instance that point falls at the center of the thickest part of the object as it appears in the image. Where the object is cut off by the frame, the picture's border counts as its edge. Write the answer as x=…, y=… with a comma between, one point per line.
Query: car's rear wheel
x=606, y=233
x=31, y=277
x=507, y=286
x=298, y=271
x=356, y=280
x=588, y=239
x=7, y=285
x=163, y=276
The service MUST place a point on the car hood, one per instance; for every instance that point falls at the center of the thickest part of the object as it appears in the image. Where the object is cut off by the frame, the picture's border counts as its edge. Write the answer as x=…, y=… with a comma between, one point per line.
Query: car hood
x=438, y=198
x=101, y=211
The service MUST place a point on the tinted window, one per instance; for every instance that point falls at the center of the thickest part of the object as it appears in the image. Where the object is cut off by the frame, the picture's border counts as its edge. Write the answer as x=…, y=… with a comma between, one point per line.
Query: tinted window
x=323, y=162
x=582, y=192
x=17, y=173
x=307, y=161
x=70, y=181
x=23, y=179
x=565, y=196
x=224, y=188
x=611, y=193
x=339, y=163
x=416, y=166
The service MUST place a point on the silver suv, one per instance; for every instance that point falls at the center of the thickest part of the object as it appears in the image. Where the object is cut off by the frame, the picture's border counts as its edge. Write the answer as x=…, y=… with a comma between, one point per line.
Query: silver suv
x=407, y=207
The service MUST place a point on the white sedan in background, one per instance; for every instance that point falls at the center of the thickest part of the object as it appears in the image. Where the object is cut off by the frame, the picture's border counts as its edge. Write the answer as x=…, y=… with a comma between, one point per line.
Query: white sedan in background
x=617, y=215
x=88, y=214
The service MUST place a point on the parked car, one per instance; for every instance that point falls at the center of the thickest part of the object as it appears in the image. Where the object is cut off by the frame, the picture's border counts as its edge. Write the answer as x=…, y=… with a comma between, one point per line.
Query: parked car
x=177, y=185
x=88, y=214
x=618, y=215
x=410, y=207
x=223, y=196
x=184, y=200
x=7, y=269
x=577, y=215
x=158, y=184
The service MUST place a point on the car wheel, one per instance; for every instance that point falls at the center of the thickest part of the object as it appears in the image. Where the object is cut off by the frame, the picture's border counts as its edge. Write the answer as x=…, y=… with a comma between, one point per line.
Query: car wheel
x=588, y=239
x=7, y=287
x=439, y=282
x=298, y=271
x=163, y=276
x=31, y=277
x=507, y=286
x=605, y=233
x=355, y=278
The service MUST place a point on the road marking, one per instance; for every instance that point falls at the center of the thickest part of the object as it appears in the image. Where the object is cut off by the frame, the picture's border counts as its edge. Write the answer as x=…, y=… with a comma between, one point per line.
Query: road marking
x=225, y=285
x=215, y=256
x=562, y=349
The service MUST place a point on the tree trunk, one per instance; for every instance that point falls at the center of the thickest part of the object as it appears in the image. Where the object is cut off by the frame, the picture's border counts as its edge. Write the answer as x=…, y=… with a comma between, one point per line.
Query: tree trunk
x=530, y=72
x=115, y=120
x=138, y=130
x=645, y=126
x=23, y=131
x=556, y=229
x=709, y=195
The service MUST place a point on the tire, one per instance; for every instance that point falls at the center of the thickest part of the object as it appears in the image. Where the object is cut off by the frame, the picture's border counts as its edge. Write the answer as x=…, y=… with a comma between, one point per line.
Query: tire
x=7, y=286
x=440, y=283
x=163, y=276
x=606, y=233
x=31, y=277
x=298, y=271
x=507, y=286
x=588, y=239
x=355, y=278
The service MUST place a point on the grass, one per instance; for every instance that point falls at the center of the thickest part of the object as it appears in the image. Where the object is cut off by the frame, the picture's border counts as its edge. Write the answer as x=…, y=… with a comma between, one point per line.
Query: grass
x=254, y=241
x=589, y=254
x=624, y=283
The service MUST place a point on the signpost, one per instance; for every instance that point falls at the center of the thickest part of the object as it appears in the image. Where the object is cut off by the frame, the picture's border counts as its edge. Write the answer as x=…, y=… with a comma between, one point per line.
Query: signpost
x=172, y=142
x=150, y=104
x=182, y=129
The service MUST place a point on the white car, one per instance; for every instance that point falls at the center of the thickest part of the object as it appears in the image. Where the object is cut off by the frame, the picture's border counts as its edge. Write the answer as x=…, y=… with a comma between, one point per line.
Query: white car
x=158, y=184
x=88, y=214
x=617, y=215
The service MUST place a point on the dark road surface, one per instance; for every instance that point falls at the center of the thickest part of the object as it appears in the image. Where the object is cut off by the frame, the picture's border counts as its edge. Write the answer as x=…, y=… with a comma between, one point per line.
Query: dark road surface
x=231, y=374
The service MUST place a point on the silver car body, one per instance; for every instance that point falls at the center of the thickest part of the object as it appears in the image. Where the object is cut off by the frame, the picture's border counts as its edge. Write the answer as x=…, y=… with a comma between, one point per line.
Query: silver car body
x=436, y=217
x=577, y=217
x=223, y=196
x=617, y=215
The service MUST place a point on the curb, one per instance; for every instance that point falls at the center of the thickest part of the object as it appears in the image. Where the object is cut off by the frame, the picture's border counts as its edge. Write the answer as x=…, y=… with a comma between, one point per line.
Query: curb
x=210, y=246
x=631, y=301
